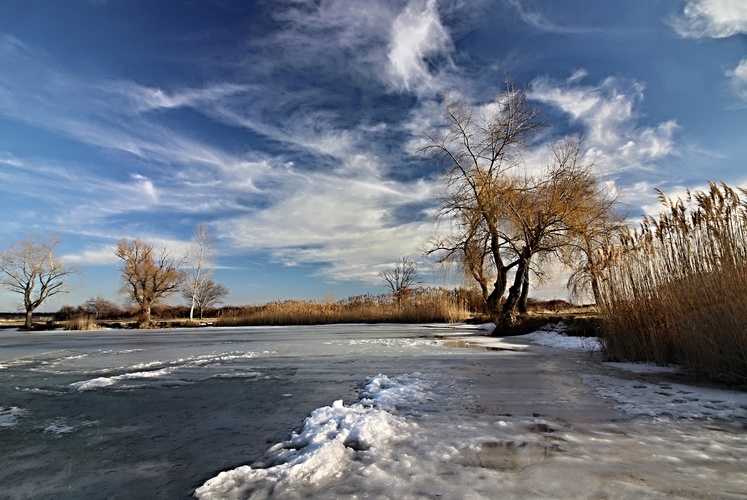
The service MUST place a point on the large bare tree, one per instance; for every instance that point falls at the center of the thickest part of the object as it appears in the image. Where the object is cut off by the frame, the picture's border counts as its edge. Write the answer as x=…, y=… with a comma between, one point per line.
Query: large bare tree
x=505, y=221
x=479, y=146
x=31, y=269
x=148, y=275
x=546, y=212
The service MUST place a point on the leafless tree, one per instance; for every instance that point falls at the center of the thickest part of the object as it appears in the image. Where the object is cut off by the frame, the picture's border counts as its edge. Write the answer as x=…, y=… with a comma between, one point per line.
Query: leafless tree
x=100, y=308
x=479, y=147
x=148, y=276
x=402, y=278
x=200, y=261
x=591, y=237
x=31, y=269
x=208, y=294
x=506, y=222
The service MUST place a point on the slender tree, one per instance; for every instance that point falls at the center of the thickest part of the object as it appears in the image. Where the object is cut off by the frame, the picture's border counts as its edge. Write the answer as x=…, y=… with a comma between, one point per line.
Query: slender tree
x=209, y=294
x=31, y=269
x=200, y=261
x=148, y=276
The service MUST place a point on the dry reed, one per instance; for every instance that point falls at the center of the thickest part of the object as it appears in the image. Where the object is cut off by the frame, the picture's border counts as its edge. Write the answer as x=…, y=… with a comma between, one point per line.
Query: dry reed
x=422, y=306
x=82, y=323
x=676, y=289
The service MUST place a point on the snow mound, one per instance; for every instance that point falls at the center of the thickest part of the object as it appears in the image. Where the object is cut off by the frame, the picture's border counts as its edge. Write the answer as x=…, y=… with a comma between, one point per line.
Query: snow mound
x=334, y=441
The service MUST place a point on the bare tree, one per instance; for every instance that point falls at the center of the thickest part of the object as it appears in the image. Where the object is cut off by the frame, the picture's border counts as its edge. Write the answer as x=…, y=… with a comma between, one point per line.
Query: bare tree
x=208, y=294
x=402, y=278
x=545, y=210
x=200, y=261
x=100, y=308
x=480, y=147
x=31, y=269
x=591, y=237
x=506, y=222
x=148, y=276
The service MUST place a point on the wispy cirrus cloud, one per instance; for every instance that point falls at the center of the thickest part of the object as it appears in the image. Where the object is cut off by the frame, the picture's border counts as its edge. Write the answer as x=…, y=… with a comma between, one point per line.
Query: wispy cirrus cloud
x=540, y=21
x=141, y=98
x=333, y=205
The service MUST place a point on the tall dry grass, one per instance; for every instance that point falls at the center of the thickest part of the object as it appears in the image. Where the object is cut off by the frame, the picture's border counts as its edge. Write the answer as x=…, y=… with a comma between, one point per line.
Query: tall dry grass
x=82, y=323
x=676, y=289
x=422, y=306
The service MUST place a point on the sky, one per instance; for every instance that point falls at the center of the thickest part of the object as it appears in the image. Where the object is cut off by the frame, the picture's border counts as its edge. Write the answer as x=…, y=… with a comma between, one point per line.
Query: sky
x=291, y=127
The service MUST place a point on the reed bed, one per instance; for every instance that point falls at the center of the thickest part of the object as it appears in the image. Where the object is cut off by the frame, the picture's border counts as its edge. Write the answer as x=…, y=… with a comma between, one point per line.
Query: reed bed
x=82, y=323
x=425, y=305
x=675, y=290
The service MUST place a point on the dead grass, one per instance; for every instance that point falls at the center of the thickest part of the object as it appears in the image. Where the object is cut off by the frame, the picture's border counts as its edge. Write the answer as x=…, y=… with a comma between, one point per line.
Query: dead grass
x=677, y=289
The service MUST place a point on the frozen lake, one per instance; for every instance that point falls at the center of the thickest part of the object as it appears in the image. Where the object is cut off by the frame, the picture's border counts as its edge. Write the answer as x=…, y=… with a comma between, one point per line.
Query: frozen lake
x=352, y=411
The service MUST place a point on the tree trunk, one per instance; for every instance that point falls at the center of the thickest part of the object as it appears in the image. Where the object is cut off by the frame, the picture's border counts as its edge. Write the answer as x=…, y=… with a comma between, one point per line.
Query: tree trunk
x=522, y=306
x=494, y=300
x=145, y=318
x=507, y=314
x=595, y=290
x=29, y=319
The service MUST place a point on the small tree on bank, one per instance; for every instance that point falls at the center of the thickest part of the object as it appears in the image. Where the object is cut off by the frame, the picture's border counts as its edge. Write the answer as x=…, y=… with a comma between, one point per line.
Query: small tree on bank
x=402, y=278
x=31, y=269
x=101, y=308
x=148, y=276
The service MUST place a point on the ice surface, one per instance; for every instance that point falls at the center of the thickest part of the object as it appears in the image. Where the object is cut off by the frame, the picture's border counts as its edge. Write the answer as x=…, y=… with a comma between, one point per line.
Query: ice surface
x=162, y=413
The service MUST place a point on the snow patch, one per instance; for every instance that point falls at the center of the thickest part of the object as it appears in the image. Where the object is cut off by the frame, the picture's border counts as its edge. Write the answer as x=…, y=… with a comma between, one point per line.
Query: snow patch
x=554, y=336
x=164, y=374
x=635, y=397
x=9, y=416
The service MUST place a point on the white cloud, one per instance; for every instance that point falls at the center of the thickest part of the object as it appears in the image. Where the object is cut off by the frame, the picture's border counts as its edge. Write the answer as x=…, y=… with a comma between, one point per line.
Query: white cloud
x=145, y=185
x=102, y=256
x=712, y=18
x=339, y=211
x=416, y=34
x=346, y=224
x=610, y=120
x=738, y=79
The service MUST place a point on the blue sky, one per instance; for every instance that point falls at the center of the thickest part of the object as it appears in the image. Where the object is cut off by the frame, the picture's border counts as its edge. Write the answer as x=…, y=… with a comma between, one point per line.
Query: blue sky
x=290, y=126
